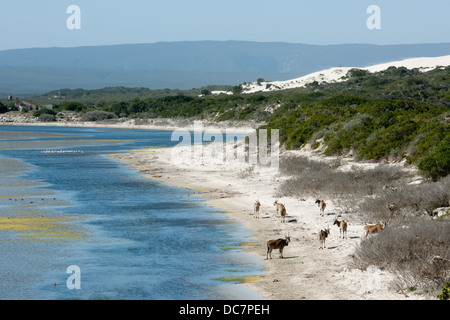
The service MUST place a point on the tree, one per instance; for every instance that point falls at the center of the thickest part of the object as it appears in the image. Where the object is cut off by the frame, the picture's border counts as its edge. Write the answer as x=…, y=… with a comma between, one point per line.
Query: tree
x=206, y=92
x=237, y=89
x=355, y=72
x=3, y=108
x=74, y=106
x=40, y=112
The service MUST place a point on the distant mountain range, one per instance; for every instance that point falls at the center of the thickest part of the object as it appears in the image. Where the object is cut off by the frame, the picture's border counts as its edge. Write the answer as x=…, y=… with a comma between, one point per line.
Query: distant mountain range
x=185, y=65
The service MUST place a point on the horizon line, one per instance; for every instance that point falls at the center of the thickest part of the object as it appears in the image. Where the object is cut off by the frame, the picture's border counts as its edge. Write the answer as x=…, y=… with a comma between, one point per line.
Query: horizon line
x=222, y=41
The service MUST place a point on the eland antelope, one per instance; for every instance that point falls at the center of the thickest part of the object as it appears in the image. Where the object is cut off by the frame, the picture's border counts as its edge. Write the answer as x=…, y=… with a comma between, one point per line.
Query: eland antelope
x=322, y=205
x=322, y=235
x=277, y=244
x=256, y=207
x=278, y=206
x=342, y=227
x=374, y=228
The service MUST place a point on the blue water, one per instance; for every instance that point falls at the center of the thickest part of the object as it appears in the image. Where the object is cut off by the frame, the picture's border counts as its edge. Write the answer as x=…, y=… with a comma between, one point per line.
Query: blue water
x=142, y=239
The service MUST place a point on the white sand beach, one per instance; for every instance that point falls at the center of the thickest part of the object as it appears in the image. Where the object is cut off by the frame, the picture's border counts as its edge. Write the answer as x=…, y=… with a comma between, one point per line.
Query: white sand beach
x=305, y=272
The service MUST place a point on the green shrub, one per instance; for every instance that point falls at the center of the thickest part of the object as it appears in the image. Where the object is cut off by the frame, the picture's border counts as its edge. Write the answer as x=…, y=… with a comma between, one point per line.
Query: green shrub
x=40, y=112
x=237, y=89
x=74, y=106
x=225, y=116
x=98, y=115
x=357, y=72
x=45, y=117
x=246, y=113
x=445, y=295
x=315, y=145
x=437, y=164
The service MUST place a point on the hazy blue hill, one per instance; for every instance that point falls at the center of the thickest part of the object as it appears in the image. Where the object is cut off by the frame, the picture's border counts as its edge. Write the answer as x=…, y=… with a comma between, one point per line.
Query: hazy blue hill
x=218, y=56
x=28, y=80
x=185, y=65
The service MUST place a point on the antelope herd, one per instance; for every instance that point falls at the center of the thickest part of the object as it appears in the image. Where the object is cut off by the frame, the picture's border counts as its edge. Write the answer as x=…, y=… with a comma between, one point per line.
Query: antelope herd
x=322, y=235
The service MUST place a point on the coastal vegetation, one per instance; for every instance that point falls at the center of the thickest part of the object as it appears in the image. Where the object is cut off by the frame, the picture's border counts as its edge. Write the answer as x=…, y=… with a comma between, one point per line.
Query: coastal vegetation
x=390, y=115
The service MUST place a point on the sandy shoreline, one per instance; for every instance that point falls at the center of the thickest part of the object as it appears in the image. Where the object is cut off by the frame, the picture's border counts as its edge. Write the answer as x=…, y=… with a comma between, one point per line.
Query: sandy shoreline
x=306, y=272
x=17, y=119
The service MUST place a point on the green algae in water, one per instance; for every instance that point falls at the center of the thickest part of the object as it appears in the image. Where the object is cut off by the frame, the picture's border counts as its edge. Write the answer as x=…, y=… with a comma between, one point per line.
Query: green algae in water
x=38, y=228
x=243, y=279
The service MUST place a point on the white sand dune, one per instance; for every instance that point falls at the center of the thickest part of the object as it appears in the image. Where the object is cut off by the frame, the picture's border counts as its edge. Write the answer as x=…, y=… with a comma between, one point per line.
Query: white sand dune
x=336, y=74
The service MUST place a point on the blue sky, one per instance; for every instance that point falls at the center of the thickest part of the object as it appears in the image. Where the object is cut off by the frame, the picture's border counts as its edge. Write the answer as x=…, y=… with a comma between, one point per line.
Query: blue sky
x=30, y=23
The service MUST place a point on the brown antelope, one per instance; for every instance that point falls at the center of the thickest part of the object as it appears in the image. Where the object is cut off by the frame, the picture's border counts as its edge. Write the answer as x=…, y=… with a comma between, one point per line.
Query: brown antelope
x=277, y=244
x=342, y=227
x=278, y=206
x=256, y=207
x=280, y=209
x=374, y=228
x=322, y=205
x=322, y=235
x=283, y=214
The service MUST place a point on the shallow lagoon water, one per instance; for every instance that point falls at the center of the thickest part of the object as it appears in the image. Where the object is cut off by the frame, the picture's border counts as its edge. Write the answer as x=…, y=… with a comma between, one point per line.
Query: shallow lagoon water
x=132, y=238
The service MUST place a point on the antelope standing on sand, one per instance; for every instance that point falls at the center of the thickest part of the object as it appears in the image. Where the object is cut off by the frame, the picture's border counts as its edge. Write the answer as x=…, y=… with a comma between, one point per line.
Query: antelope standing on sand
x=256, y=207
x=322, y=205
x=342, y=227
x=283, y=214
x=374, y=228
x=280, y=209
x=277, y=244
x=322, y=235
x=278, y=206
